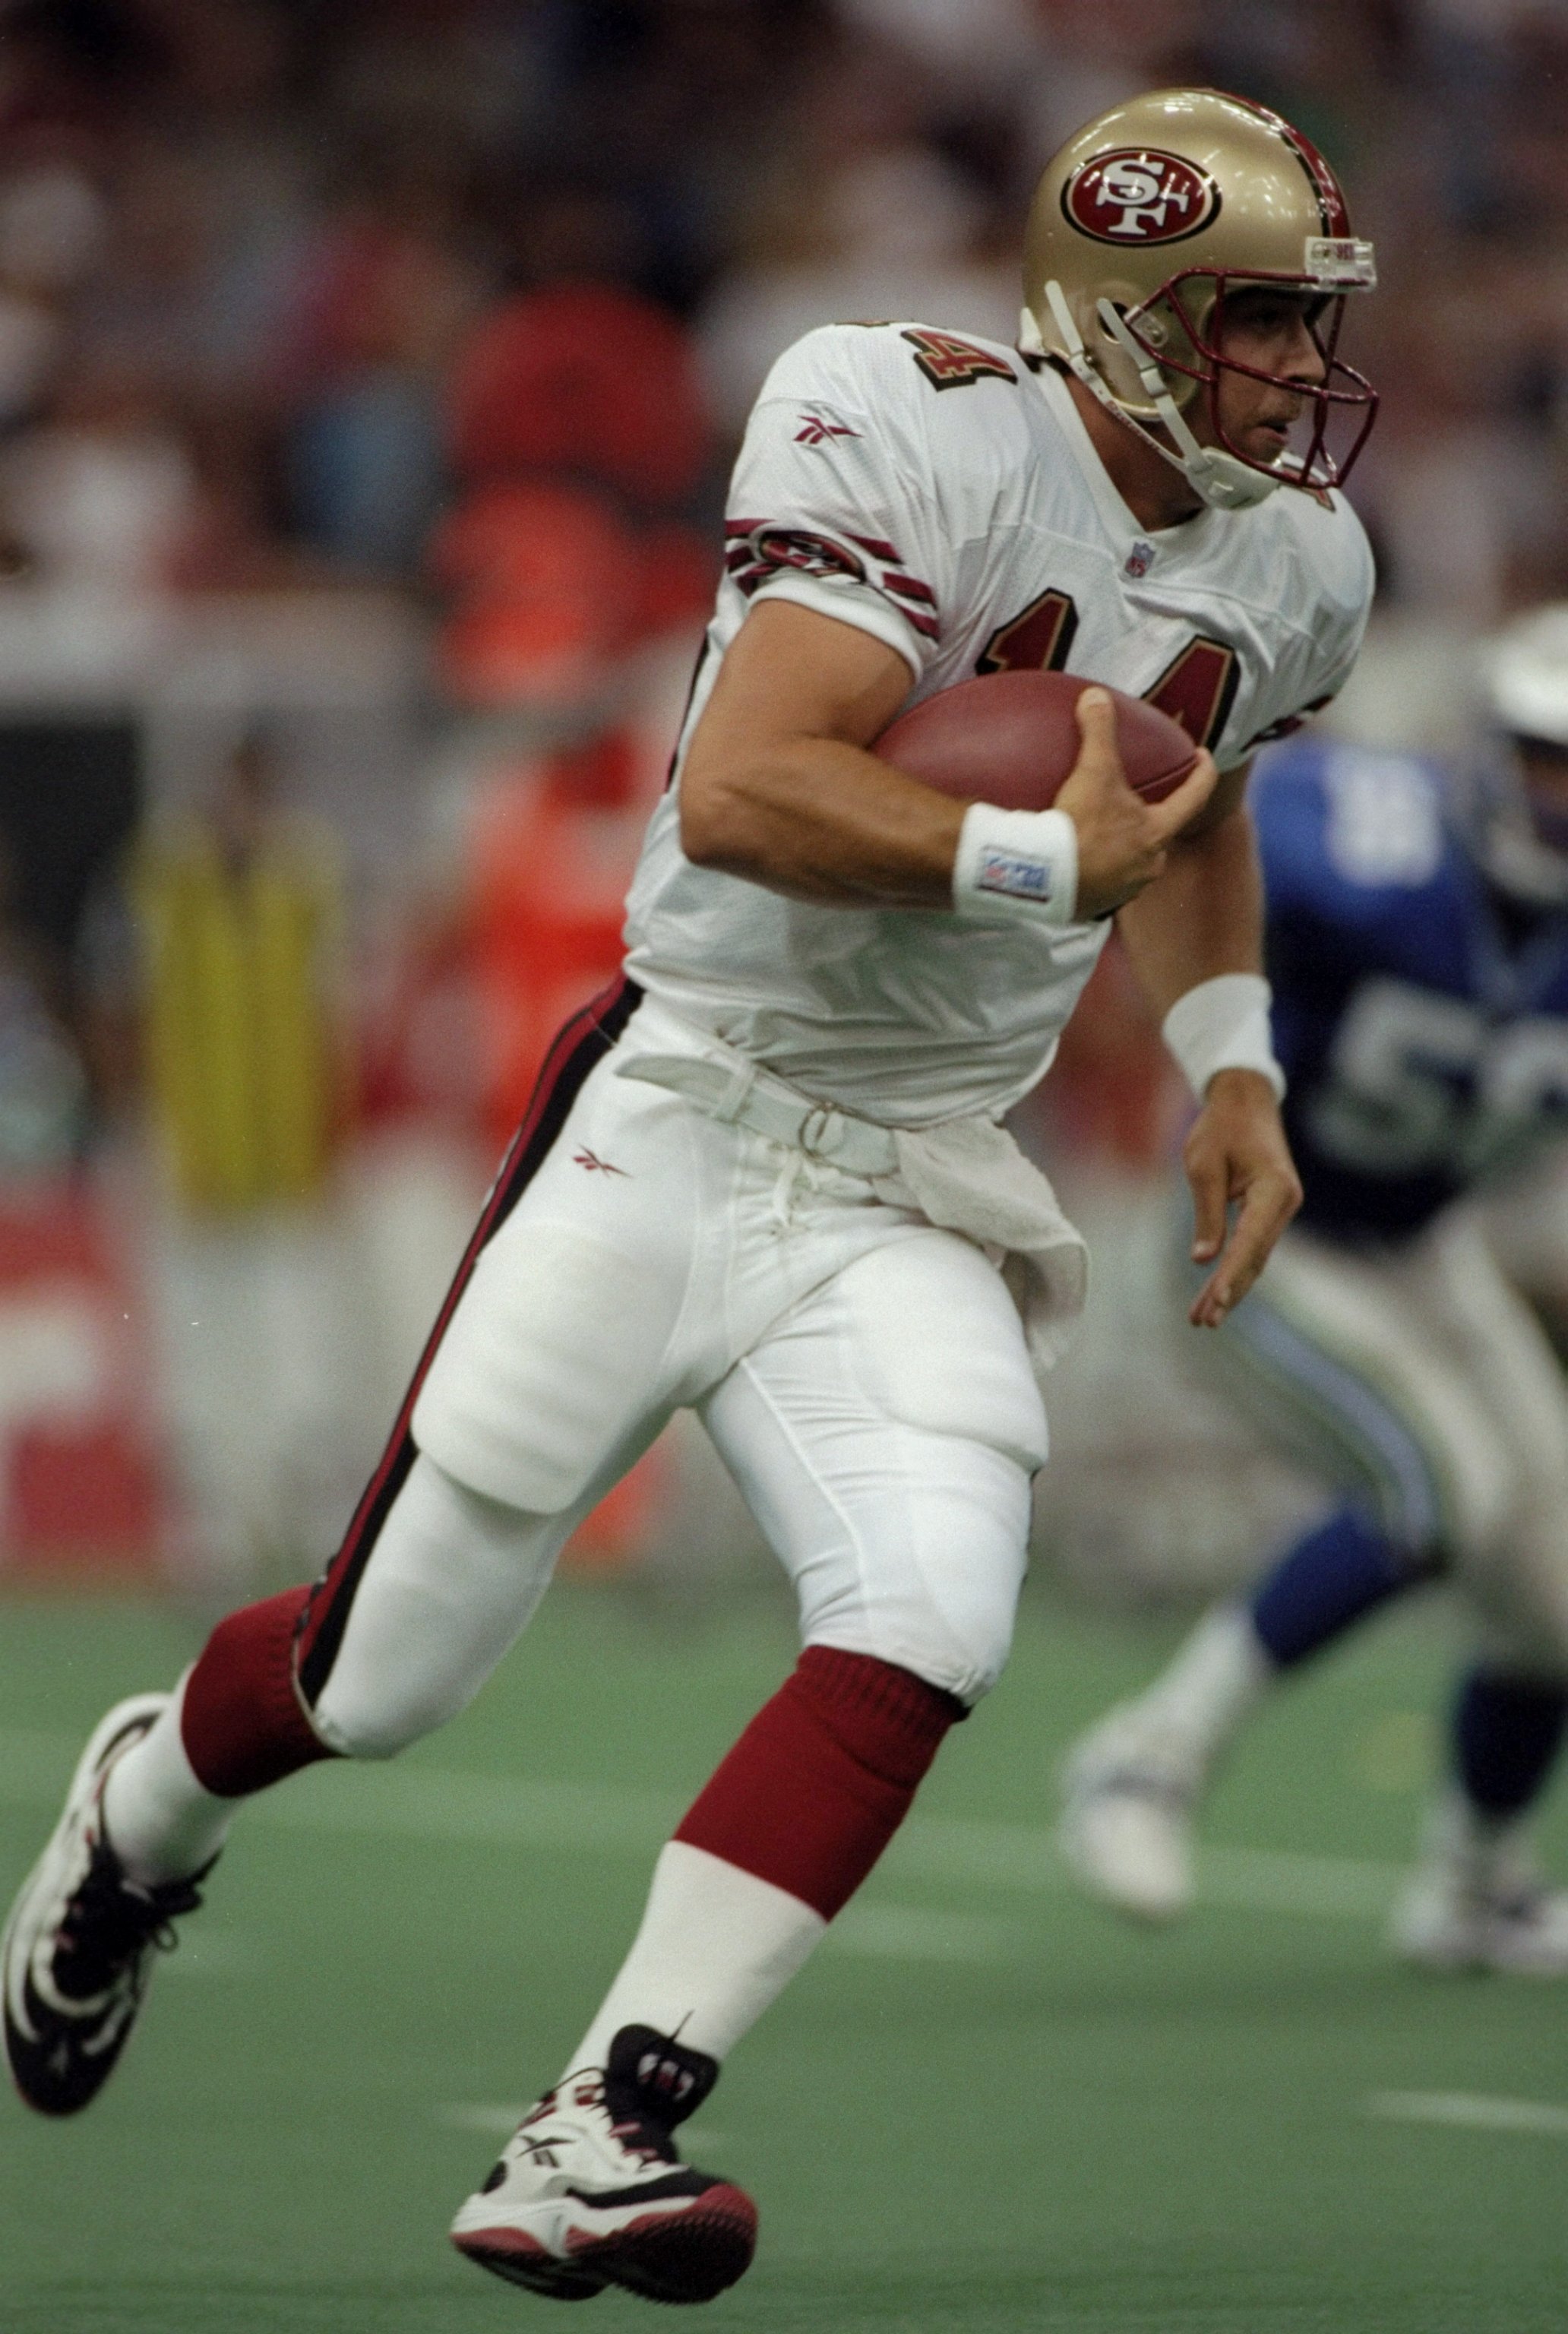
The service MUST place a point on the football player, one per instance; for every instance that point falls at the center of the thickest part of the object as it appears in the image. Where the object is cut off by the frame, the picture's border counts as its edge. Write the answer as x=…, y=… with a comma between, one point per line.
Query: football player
x=1418, y=944
x=764, y=1175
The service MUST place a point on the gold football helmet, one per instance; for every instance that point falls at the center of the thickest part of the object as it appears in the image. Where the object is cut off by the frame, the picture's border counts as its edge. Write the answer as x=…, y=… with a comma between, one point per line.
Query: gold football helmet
x=1144, y=223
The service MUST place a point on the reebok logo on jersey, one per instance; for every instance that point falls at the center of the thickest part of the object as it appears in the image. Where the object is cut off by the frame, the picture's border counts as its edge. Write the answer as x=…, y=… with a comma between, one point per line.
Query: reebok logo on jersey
x=595, y=1164
x=817, y=430
x=1020, y=878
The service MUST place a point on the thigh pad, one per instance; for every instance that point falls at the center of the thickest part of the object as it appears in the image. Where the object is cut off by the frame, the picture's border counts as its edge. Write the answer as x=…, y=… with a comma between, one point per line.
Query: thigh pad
x=937, y=1344
x=552, y=1356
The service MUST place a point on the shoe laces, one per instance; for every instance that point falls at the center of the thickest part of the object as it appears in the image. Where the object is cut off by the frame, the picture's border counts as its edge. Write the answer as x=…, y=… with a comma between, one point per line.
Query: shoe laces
x=638, y=2136
x=109, y=1923
x=641, y=2134
x=635, y=2132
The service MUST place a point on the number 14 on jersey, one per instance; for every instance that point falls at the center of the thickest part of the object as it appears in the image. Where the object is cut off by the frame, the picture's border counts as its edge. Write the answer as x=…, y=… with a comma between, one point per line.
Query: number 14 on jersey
x=1197, y=689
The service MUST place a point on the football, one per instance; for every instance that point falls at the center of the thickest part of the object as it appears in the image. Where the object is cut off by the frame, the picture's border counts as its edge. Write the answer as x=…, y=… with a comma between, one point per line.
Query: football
x=1012, y=739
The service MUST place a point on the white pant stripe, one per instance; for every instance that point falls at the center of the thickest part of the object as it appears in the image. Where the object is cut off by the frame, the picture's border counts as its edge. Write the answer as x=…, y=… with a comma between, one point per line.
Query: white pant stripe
x=1356, y=1413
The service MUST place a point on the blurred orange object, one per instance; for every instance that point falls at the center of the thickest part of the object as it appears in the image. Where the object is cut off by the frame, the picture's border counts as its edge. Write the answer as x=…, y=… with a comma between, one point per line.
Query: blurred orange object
x=552, y=852
x=616, y=1534
x=520, y=539
x=583, y=378
x=549, y=587
x=546, y=583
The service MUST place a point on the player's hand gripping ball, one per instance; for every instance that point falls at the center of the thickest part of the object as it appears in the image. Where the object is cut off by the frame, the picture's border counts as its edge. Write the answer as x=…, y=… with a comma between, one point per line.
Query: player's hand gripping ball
x=1012, y=739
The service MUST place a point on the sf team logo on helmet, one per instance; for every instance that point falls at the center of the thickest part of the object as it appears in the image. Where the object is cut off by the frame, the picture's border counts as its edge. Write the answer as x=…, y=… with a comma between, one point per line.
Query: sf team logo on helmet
x=1138, y=194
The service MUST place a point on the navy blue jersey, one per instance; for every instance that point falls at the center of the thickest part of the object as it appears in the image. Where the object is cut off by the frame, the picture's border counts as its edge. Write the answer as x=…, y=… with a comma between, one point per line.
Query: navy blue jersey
x=1422, y=1022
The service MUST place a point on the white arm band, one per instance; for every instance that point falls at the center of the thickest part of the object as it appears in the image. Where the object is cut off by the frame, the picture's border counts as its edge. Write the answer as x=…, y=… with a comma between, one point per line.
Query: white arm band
x=1223, y=1025
x=1017, y=863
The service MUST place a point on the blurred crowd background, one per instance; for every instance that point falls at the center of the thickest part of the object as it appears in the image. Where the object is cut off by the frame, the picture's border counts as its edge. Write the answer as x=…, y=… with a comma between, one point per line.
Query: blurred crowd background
x=369, y=376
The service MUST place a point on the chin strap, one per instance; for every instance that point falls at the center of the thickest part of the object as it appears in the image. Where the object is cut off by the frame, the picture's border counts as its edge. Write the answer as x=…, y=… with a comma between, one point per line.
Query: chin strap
x=1223, y=481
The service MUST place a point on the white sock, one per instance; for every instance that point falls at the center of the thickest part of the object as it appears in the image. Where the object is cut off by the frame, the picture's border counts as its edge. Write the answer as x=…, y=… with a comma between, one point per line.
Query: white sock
x=162, y=1823
x=1213, y=1682
x=716, y=1947
x=1457, y=1831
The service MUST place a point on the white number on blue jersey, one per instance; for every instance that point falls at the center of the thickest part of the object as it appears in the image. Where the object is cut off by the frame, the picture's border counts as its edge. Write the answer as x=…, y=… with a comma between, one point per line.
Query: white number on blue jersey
x=1423, y=1082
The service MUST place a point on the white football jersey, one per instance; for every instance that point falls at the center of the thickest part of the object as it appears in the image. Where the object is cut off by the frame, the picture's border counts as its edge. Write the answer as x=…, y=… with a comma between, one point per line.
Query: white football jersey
x=943, y=494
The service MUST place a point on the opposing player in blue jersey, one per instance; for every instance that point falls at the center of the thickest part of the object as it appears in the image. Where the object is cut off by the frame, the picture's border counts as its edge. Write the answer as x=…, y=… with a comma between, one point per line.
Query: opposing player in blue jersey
x=1417, y=946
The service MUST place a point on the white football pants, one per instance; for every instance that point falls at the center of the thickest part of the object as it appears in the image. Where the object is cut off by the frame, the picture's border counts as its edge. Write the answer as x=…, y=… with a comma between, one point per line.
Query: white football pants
x=1420, y=1375
x=863, y=1375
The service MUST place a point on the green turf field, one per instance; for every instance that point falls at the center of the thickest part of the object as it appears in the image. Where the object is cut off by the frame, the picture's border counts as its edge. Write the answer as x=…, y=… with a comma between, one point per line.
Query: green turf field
x=983, y=2106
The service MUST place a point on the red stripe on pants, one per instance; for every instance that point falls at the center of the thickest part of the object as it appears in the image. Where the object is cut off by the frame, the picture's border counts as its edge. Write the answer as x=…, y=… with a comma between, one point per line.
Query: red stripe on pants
x=581, y=1043
x=243, y=1724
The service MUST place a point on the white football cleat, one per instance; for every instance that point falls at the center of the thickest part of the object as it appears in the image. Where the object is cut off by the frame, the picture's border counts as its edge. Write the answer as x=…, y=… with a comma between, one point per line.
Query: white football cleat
x=78, y=1948
x=1130, y=1788
x=1476, y=1902
x=590, y=2191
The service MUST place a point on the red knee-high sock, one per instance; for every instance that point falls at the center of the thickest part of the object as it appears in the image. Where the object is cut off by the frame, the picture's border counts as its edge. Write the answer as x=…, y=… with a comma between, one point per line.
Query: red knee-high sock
x=241, y=1722
x=823, y=1776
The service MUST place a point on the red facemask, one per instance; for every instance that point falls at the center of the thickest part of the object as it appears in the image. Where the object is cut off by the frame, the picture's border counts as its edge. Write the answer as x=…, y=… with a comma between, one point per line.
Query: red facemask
x=1341, y=393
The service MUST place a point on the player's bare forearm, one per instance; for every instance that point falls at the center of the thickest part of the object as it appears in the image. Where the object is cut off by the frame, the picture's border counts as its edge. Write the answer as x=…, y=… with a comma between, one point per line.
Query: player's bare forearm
x=1204, y=917
x=818, y=819
x=777, y=787
x=1203, y=914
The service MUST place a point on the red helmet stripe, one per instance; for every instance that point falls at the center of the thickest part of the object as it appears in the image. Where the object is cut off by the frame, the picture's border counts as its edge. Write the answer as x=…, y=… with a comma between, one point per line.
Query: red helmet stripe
x=1333, y=209
x=1331, y=197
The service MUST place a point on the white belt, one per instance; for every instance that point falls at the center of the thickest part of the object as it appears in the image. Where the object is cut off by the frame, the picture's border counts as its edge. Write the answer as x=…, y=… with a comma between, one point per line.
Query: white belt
x=739, y=1094
x=965, y=1175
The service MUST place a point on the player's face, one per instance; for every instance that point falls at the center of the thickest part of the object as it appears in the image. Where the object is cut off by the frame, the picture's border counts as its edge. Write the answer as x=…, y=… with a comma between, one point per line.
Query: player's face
x=1269, y=331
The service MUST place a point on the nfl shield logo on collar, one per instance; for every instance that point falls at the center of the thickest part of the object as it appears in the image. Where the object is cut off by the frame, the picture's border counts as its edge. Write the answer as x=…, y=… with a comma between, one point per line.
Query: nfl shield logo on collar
x=1138, y=560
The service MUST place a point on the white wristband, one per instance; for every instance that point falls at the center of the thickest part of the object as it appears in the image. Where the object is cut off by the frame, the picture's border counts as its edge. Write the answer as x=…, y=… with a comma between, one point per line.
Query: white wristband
x=1017, y=863
x=1223, y=1025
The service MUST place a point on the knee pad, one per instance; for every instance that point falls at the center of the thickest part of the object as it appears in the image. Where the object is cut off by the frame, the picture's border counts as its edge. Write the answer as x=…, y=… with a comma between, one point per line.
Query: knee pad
x=420, y=1612
x=934, y=1587
x=941, y=1347
x=355, y=1731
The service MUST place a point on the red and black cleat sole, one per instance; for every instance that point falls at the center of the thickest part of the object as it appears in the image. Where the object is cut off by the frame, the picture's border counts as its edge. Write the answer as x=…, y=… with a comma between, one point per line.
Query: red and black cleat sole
x=671, y=2257
x=521, y=2261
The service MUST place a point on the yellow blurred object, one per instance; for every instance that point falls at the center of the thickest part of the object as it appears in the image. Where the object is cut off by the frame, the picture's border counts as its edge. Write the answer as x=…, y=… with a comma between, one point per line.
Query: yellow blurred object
x=244, y=1070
